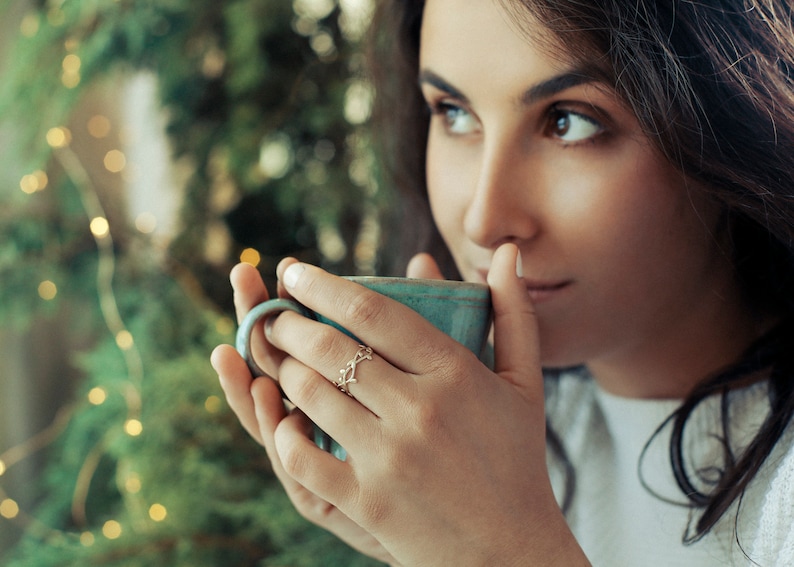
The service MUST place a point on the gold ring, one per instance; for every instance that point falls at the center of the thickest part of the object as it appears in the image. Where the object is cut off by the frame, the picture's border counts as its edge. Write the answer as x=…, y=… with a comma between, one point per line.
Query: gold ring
x=348, y=374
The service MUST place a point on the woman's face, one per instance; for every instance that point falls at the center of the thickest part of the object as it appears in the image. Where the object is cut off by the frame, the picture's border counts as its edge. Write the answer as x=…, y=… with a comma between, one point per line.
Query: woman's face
x=619, y=255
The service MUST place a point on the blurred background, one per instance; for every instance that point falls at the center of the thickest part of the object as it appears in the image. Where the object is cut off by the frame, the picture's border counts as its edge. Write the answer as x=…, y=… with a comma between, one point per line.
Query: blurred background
x=146, y=146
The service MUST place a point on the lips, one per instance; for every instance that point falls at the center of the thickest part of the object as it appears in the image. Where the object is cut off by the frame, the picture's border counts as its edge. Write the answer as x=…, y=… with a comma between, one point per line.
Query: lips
x=539, y=290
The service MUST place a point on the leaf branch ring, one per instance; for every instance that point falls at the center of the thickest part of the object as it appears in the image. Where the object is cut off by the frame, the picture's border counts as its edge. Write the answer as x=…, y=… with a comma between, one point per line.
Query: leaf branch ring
x=347, y=375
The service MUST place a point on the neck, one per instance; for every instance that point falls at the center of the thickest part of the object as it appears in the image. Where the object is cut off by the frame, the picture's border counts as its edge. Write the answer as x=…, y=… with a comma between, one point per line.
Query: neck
x=668, y=366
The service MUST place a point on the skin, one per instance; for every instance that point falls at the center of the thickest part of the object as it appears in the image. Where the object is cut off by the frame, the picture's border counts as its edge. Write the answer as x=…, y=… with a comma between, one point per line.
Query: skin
x=621, y=253
x=622, y=269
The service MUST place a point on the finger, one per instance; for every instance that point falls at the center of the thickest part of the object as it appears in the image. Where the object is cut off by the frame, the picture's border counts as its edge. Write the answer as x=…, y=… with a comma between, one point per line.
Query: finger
x=312, y=468
x=396, y=332
x=283, y=265
x=307, y=503
x=235, y=380
x=321, y=352
x=516, y=349
x=249, y=289
x=424, y=266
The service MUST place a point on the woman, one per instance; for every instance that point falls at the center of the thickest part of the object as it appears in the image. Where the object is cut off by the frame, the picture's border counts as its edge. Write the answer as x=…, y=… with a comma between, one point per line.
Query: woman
x=620, y=174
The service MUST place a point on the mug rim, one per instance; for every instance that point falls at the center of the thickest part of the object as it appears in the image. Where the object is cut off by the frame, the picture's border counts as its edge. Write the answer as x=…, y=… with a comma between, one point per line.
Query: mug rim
x=458, y=284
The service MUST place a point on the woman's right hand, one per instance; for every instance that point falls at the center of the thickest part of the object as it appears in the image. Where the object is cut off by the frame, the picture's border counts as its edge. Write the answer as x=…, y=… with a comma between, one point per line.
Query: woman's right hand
x=258, y=404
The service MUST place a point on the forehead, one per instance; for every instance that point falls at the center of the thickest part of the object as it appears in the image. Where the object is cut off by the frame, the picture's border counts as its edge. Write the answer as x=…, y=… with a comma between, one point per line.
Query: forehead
x=480, y=45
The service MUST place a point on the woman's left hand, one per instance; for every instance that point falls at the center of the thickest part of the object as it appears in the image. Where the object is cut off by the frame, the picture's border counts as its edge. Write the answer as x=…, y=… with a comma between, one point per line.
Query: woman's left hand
x=446, y=458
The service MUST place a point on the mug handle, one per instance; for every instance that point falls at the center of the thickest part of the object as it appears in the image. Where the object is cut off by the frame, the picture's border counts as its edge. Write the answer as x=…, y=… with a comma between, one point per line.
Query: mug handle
x=243, y=345
x=263, y=310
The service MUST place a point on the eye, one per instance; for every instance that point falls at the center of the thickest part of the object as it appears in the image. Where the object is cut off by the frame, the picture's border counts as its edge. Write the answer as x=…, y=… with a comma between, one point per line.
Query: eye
x=456, y=119
x=572, y=127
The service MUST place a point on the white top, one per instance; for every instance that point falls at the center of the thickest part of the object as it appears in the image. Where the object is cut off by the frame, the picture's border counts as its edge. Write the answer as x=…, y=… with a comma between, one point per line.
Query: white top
x=620, y=522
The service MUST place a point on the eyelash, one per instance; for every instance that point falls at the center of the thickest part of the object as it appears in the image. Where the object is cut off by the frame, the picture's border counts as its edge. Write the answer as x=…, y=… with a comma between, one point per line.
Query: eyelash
x=552, y=117
x=559, y=111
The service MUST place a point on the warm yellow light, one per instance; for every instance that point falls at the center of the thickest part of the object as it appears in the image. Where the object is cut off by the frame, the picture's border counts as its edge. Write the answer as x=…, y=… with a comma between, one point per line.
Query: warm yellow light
x=98, y=126
x=70, y=80
x=97, y=396
x=133, y=427
x=36, y=181
x=225, y=325
x=146, y=222
x=87, y=539
x=29, y=25
x=59, y=137
x=100, y=227
x=115, y=161
x=157, y=512
x=48, y=290
x=124, y=340
x=212, y=404
x=71, y=63
x=9, y=509
x=3, y=468
x=112, y=529
x=133, y=484
x=250, y=256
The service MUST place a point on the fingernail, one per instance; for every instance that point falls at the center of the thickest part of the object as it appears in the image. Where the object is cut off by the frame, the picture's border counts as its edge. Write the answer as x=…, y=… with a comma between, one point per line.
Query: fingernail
x=292, y=274
x=519, y=266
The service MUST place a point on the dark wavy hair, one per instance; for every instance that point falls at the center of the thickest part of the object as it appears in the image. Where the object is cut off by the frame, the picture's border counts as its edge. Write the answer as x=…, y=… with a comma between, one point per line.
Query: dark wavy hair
x=712, y=85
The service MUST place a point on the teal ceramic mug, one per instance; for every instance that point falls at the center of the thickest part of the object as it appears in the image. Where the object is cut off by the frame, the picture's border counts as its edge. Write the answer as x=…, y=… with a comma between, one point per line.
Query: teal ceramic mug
x=462, y=310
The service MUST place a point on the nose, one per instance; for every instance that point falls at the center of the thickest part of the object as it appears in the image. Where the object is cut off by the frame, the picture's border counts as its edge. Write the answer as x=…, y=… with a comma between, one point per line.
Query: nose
x=501, y=208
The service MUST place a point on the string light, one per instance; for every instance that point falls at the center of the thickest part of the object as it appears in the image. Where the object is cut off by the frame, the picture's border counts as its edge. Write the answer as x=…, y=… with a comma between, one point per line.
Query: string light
x=59, y=137
x=48, y=290
x=213, y=404
x=157, y=512
x=251, y=256
x=115, y=161
x=100, y=227
x=97, y=396
x=225, y=325
x=33, y=182
x=112, y=529
x=98, y=126
x=87, y=539
x=124, y=340
x=133, y=427
x=9, y=509
x=132, y=484
x=71, y=71
x=29, y=26
x=146, y=223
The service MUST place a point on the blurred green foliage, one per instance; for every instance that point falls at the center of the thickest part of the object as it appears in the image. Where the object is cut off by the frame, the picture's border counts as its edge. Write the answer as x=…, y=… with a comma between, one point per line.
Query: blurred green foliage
x=243, y=83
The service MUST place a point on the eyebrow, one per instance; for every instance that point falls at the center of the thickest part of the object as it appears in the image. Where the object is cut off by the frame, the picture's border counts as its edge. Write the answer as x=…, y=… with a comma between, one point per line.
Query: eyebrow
x=533, y=94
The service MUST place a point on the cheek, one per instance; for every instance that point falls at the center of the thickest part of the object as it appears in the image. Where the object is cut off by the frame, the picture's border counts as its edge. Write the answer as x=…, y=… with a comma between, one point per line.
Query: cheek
x=447, y=188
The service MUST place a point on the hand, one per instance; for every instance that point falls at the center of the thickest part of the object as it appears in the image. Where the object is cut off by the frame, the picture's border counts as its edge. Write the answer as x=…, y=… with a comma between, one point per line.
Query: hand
x=446, y=459
x=260, y=408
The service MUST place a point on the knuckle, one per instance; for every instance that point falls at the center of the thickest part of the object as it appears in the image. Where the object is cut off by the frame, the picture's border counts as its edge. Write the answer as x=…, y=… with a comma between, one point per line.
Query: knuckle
x=374, y=509
x=363, y=308
x=311, y=508
x=303, y=388
x=294, y=461
x=318, y=345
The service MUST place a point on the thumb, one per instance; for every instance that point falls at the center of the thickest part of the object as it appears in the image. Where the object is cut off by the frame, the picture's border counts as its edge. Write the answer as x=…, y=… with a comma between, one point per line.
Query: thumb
x=424, y=266
x=516, y=346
